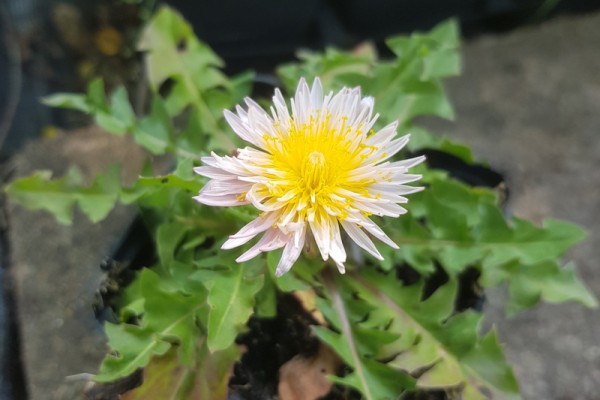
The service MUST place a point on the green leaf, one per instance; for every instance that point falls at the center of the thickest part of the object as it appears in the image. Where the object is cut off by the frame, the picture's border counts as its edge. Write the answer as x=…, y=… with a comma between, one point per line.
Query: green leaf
x=68, y=100
x=96, y=95
x=266, y=299
x=133, y=350
x=436, y=340
x=168, y=237
x=335, y=68
x=174, y=53
x=486, y=360
x=548, y=281
x=357, y=349
x=163, y=377
x=59, y=196
x=119, y=119
x=169, y=318
x=231, y=298
x=154, y=132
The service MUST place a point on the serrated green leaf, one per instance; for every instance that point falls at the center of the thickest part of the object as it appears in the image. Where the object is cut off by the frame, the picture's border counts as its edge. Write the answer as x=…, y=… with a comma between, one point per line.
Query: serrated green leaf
x=59, y=196
x=166, y=378
x=231, y=298
x=487, y=361
x=528, y=284
x=335, y=68
x=357, y=349
x=133, y=351
x=169, y=318
x=442, y=340
x=174, y=53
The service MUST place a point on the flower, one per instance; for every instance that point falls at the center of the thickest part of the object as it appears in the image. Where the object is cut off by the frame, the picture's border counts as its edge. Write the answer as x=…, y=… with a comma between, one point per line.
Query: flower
x=310, y=172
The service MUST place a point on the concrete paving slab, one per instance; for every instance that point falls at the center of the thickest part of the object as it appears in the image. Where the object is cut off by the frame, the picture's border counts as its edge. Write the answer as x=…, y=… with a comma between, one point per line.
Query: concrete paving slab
x=57, y=267
x=529, y=103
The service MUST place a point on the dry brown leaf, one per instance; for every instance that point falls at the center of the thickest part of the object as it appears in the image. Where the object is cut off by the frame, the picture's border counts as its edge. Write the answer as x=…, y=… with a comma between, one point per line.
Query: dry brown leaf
x=306, y=378
x=308, y=300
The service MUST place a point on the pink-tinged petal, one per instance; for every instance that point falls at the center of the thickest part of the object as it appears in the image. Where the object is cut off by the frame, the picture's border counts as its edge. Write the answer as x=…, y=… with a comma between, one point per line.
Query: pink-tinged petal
x=252, y=104
x=408, y=163
x=272, y=239
x=261, y=123
x=250, y=230
x=225, y=187
x=214, y=173
x=229, y=200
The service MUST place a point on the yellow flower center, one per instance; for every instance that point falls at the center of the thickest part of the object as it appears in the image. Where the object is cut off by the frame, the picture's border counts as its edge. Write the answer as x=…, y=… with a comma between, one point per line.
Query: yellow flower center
x=312, y=167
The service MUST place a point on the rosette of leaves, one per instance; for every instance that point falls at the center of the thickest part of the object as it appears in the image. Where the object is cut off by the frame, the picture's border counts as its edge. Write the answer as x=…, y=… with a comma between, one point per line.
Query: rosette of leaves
x=180, y=317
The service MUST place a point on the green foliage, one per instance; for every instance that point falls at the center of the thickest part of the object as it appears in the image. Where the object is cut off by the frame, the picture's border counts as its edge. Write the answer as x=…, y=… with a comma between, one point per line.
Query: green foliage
x=59, y=196
x=170, y=318
x=179, y=318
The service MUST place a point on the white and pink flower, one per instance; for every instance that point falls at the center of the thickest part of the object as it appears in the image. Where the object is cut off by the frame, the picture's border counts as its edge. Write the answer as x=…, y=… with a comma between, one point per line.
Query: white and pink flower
x=309, y=172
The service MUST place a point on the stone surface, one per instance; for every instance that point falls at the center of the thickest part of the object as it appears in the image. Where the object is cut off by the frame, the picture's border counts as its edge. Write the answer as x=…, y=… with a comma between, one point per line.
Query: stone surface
x=528, y=102
x=57, y=267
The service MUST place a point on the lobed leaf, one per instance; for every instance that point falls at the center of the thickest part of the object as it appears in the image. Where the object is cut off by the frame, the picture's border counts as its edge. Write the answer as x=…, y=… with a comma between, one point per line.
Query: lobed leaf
x=231, y=300
x=170, y=317
x=175, y=56
x=60, y=196
x=437, y=345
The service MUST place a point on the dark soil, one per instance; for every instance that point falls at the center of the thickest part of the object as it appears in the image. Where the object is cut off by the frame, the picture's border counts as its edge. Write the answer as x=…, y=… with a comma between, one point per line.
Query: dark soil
x=270, y=343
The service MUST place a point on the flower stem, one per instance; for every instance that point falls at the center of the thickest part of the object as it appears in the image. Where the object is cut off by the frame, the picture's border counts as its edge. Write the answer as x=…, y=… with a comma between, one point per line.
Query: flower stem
x=338, y=304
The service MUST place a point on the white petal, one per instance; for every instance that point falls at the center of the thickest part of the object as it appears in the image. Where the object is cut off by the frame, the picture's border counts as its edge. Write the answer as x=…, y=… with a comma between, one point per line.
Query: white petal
x=361, y=239
x=291, y=252
x=283, y=114
x=336, y=249
x=321, y=232
x=242, y=130
x=390, y=150
x=375, y=230
x=316, y=94
x=383, y=136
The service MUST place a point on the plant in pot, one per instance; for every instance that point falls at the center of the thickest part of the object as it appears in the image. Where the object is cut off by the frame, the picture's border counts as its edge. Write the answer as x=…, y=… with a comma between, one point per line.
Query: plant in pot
x=223, y=312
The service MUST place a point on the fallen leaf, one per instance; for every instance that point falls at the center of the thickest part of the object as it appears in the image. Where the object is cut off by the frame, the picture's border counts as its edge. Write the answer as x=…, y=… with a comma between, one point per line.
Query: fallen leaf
x=306, y=378
x=308, y=300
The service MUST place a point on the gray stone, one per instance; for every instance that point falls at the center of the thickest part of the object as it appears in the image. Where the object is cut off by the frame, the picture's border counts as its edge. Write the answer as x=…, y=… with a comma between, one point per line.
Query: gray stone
x=529, y=103
x=57, y=267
